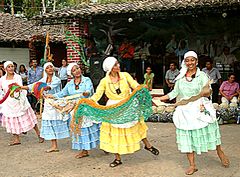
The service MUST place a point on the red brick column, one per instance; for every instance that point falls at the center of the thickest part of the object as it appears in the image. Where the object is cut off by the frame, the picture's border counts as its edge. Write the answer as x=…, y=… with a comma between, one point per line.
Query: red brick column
x=76, y=28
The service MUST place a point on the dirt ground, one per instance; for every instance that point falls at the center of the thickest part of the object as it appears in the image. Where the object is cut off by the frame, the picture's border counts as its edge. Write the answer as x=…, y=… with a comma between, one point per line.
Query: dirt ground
x=30, y=160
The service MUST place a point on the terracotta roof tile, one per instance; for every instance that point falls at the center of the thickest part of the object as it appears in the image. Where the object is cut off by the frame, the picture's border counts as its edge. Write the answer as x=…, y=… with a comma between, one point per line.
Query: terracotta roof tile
x=18, y=29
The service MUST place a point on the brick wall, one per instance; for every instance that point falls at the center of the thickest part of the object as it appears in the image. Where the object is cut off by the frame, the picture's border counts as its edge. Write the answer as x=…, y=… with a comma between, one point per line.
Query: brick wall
x=76, y=26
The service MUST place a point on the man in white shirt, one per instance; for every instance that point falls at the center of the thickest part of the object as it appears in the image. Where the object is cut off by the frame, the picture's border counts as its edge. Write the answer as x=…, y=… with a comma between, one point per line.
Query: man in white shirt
x=171, y=74
x=226, y=58
x=214, y=75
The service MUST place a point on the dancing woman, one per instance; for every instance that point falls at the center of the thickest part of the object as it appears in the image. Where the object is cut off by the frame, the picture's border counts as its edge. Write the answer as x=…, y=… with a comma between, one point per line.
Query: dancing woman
x=17, y=114
x=89, y=136
x=197, y=129
x=120, y=138
x=53, y=127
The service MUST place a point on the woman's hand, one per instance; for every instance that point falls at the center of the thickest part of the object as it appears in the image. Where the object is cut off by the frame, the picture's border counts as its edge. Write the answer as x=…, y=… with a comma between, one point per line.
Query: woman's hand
x=47, y=88
x=49, y=96
x=164, y=98
x=86, y=93
x=24, y=88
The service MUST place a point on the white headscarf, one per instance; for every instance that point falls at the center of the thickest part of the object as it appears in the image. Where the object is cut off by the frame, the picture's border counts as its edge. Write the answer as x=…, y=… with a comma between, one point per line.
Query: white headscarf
x=183, y=65
x=69, y=68
x=44, y=68
x=7, y=63
x=108, y=63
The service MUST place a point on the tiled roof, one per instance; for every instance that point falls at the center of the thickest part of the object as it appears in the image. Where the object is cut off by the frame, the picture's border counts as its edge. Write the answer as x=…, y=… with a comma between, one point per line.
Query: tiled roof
x=18, y=29
x=93, y=9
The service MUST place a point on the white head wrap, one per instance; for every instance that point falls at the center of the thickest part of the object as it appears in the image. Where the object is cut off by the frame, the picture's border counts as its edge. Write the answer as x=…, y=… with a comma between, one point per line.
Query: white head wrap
x=7, y=63
x=108, y=63
x=44, y=68
x=69, y=68
x=183, y=65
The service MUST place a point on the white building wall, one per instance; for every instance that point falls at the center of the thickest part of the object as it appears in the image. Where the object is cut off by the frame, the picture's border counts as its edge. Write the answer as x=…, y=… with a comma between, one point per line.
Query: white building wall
x=18, y=55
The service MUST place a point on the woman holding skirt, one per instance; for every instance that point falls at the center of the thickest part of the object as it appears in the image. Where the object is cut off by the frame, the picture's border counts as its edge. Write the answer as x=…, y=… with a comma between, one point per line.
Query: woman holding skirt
x=197, y=129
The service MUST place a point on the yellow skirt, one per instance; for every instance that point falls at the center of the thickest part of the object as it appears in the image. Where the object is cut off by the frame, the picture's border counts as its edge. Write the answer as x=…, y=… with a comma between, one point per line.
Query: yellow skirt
x=122, y=140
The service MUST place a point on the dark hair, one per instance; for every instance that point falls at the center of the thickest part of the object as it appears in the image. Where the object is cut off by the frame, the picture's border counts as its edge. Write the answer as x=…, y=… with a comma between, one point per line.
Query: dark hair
x=23, y=68
x=148, y=67
x=226, y=47
x=2, y=71
x=175, y=64
x=231, y=74
x=209, y=60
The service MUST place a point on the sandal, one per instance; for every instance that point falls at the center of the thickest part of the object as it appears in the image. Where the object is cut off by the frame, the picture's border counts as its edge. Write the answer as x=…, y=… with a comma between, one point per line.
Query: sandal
x=14, y=143
x=115, y=163
x=153, y=150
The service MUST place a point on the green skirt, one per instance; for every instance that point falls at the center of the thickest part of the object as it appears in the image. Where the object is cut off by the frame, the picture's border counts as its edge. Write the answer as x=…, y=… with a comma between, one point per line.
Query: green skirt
x=200, y=140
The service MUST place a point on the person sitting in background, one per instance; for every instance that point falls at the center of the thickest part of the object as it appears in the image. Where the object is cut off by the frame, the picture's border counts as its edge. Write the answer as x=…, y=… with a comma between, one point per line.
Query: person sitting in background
x=226, y=58
x=229, y=89
x=23, y=73
x=171, y=74
x=148, y=78
x=214, y=75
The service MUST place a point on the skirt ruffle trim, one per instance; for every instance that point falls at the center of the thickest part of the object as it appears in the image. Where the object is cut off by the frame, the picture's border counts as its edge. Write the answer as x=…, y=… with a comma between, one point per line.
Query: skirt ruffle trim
x=122, y=140
x=54, y=129
x=18, y=125
x=200, y=140
x=89, y=138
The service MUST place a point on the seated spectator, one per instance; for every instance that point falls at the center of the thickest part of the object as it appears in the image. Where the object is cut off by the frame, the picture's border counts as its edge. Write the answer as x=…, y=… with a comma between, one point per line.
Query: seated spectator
x=226, y=58
x=229, y=90
x=215, y=76
x=171, y=74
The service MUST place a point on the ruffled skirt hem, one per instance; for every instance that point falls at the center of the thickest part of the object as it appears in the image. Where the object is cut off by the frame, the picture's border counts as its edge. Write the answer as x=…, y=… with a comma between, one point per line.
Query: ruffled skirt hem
x=88, y=139
x=18, y=125
x=122, y=140
x=199, y=140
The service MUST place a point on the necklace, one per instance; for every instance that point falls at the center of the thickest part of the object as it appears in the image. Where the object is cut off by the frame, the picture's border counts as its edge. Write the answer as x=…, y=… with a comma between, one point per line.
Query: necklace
x=116, y=89
x=77, y=85
x=190, y=78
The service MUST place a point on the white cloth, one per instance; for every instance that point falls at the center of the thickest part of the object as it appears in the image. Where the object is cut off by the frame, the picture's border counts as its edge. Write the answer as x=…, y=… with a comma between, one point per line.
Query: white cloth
x=126, y=125
x=184, y=69
x=190, y=117
x=7, y=63
x=13, y=107
x=108, y=63
x=69, y=68
x=233, y=100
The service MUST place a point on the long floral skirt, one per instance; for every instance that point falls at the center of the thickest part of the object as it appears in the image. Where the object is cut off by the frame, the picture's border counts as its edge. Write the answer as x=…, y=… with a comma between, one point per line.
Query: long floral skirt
x=200, y=140
x=122, y=140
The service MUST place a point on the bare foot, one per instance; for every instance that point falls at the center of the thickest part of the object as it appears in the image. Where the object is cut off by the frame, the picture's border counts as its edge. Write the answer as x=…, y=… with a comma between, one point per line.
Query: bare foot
x=191, y=170
x=14, y=143
x=224, y=159
x=52, y=150
x=81, y=155
x=40, y=139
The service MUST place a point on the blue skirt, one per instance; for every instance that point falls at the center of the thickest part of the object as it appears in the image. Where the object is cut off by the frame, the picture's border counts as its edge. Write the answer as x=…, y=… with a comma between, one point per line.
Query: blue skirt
x=54, y=129
x=88, y=139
